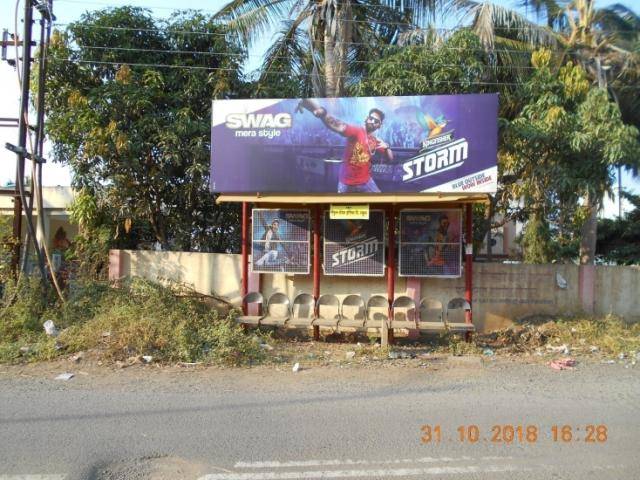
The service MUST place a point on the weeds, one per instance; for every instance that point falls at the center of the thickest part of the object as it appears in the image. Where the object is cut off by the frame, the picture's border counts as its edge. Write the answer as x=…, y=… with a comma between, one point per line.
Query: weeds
x=143, y=318
x=610, y=335
x=140, y=318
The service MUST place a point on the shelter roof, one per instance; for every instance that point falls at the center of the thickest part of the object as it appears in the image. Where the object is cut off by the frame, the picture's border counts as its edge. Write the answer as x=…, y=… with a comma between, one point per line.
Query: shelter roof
x=343, y=198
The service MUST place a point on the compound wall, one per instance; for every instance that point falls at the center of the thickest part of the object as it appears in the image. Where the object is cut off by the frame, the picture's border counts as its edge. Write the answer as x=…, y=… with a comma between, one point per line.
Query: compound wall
x=502, y=293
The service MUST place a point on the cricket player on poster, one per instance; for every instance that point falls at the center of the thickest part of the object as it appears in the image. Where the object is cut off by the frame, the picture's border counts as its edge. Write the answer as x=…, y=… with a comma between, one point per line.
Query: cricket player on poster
x=271, y=246
x=362, y=146
x=280, y=240
x=436, y=255
x=431, y=243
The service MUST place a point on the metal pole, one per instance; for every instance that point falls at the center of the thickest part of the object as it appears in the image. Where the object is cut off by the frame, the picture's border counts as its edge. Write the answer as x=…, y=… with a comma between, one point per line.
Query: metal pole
x=468, y=262
x=316, y=263
x=46, y=21
x=391, y=266
x=22, y=134
x=36, y=170
x=244, y=253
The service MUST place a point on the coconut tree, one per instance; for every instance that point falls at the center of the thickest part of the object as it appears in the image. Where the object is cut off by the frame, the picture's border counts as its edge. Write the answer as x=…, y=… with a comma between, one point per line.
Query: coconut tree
x=600, y=40
x=332, y=37
x=604, y=41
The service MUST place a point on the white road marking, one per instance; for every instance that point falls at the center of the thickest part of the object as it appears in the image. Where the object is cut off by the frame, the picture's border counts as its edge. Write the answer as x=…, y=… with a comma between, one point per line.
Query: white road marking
x=28, y=476
x=368, y=473
x=329, y=463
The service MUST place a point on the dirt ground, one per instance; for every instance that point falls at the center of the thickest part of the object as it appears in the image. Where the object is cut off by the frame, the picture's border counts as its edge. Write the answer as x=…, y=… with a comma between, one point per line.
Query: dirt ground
x=337, y=359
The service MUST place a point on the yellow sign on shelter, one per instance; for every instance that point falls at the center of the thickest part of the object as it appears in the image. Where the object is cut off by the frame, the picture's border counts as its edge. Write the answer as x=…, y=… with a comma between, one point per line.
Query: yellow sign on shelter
x=349, y=212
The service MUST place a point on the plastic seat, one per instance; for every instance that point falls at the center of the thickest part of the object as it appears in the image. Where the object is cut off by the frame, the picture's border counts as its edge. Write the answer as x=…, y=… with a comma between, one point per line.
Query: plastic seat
x=302, y=311
x=377, y=312
x=278, y=310
x=456, y=314
x=431, y=316
x=252, y=298
x=327, y=311
x=355, y=313
x=404, y=313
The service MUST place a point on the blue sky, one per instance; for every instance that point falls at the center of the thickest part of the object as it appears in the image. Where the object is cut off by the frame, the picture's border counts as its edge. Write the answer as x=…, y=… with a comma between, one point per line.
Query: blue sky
x=70, y=10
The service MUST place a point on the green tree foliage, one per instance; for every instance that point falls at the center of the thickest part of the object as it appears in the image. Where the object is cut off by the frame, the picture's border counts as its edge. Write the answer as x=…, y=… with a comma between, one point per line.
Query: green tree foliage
x=137, y=136
x=456, y=65
x=619, y=239
x=560, y=149
x=7, y=243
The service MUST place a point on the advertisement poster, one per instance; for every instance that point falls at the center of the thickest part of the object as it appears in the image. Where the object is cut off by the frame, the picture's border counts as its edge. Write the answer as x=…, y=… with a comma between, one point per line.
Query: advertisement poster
x=438, y=143
x=354, y=247
x=280, y=241
x=430, y=243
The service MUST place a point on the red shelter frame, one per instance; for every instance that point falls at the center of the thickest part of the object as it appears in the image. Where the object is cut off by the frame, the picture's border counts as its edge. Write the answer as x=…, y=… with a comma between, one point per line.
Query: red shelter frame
x=392, y=202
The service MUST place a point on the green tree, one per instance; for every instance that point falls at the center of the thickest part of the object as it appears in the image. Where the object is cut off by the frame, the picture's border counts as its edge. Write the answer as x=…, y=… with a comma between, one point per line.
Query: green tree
x=455, y=65
x=131, y=116
x=560, y=150
x=7, y=244
x=619, y=239
x=601, y=40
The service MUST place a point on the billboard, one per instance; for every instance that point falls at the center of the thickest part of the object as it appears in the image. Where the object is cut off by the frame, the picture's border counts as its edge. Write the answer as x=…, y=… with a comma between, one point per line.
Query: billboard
x=430, y=243
x=354, y=247
x=439, y=143
x=280, y=240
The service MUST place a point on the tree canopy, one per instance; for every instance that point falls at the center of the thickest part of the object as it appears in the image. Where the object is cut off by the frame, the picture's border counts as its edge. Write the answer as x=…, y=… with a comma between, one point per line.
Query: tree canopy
x=130, y=114
x=619, y=239
x=560, y=150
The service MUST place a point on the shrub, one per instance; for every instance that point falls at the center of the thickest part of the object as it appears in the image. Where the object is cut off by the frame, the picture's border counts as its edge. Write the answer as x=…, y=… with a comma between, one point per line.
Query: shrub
x=140, y=318
x=23, y=305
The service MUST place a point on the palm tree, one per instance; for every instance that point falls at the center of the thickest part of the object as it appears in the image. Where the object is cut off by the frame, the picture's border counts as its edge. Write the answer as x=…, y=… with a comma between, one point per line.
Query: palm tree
x=330, y=36
x=605, y=41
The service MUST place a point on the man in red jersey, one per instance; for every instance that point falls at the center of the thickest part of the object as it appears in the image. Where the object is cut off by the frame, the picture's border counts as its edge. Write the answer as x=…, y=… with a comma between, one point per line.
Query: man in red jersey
x=362, y=145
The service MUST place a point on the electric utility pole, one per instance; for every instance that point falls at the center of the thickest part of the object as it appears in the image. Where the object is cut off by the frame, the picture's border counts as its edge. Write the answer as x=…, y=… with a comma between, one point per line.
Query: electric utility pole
x=19, y=192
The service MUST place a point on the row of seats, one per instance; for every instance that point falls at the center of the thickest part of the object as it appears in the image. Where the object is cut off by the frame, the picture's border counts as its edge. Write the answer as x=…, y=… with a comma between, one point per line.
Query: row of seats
x=353, y=312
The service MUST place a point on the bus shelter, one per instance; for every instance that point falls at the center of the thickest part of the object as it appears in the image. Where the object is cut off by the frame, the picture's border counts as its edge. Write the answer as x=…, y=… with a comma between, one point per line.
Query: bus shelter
x=357, y=187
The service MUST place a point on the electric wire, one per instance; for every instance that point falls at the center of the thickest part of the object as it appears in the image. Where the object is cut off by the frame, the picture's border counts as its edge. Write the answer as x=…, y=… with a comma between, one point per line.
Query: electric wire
x=224, y=34
x=277, y=57
x=354, y=6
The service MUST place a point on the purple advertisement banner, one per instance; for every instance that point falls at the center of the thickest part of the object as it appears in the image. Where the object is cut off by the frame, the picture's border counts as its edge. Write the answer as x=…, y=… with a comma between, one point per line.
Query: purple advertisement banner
x=439, y=143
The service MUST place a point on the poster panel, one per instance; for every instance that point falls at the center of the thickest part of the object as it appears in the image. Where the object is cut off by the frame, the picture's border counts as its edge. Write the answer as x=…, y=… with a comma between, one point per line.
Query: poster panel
x=280, y=240
x=430, y=243
x=354, y=247
x=437, y=143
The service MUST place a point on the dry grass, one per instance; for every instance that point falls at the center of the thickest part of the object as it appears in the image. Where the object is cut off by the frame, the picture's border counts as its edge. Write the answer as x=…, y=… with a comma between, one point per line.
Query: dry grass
x=140, y=318
x=607, y=336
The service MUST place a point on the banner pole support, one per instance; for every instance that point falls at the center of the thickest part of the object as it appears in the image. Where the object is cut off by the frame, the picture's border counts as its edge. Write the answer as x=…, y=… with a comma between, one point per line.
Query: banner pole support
x=391, y=270
x=468, y=265
x=244, y=254
x=316, y=264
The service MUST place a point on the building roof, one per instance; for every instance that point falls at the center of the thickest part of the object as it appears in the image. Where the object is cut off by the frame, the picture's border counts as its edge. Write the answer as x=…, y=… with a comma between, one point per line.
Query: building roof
x=54, y=198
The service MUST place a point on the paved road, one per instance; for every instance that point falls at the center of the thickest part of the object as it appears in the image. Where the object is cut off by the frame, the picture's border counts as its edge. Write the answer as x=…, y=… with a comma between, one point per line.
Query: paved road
x=265, y=424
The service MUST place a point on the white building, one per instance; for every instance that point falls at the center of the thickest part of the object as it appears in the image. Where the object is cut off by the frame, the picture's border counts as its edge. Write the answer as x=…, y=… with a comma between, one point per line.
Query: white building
x=58, y=231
